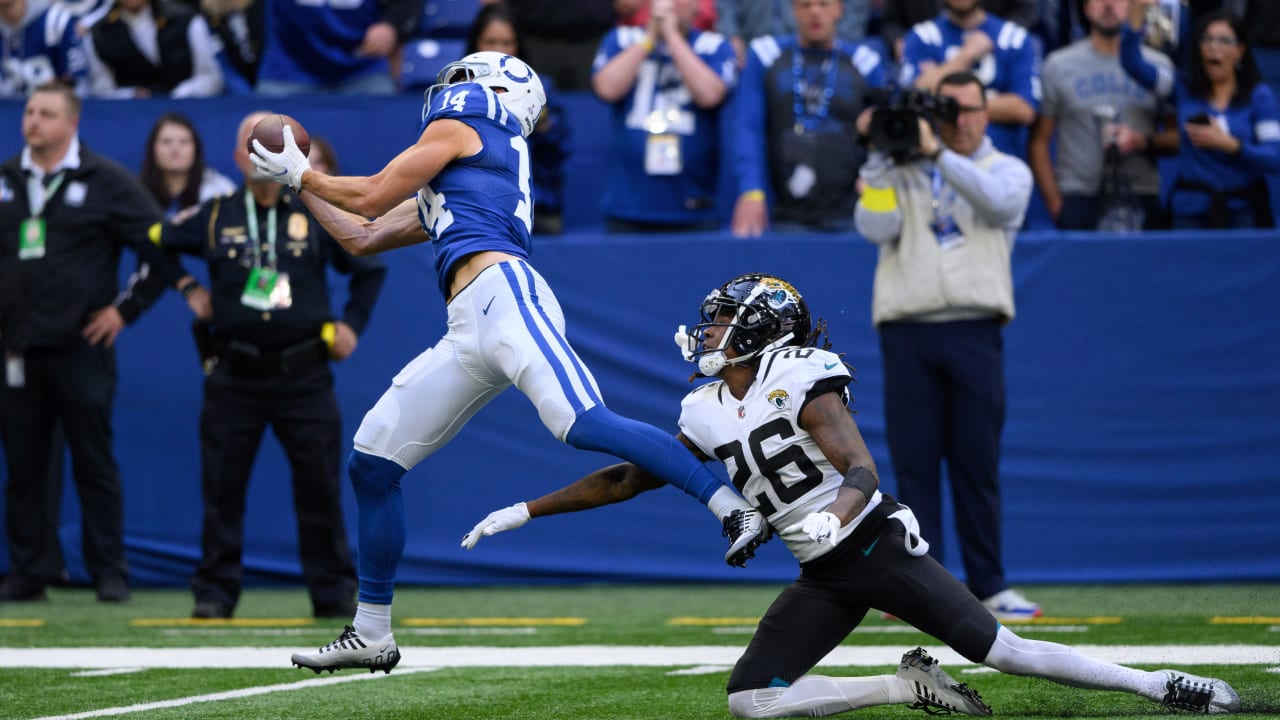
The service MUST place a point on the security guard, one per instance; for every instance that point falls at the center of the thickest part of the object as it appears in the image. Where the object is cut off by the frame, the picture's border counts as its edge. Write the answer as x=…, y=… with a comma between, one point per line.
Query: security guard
x=267, y=361
x=65, y=215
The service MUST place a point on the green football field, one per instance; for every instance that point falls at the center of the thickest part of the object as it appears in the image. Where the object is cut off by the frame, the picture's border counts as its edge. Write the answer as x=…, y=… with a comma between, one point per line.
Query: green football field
x=586, y=652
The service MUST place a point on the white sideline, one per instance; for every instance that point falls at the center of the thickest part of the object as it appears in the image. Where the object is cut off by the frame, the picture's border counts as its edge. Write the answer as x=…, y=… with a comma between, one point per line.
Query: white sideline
x=214, y=697
x=591, y=656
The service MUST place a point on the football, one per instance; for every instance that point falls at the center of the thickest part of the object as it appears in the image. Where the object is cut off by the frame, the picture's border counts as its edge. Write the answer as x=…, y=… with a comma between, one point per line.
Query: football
x=270, y=132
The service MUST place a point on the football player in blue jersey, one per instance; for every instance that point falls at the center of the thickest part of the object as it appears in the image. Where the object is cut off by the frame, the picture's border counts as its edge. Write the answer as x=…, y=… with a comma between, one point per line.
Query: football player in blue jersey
x=40, y=45
x=467, y=180
x=777, y=416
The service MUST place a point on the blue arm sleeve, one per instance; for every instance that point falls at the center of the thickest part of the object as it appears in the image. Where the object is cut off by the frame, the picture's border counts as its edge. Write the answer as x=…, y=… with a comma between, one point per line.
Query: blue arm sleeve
x=1262, y=150
x=748, y=146
x=1143, y=72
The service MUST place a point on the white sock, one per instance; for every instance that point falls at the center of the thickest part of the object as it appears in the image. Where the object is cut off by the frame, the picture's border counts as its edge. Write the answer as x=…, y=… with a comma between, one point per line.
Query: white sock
x=373, y=622
x=820, y=695
x=1065, y=665
x=726, y=500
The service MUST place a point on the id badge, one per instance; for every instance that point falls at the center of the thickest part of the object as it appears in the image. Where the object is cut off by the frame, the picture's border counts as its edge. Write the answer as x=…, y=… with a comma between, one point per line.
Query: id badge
x=662, y=155
x=31, y=239
x=258, y=289
x=948, y=235
x=282, y=293
x=15, y=370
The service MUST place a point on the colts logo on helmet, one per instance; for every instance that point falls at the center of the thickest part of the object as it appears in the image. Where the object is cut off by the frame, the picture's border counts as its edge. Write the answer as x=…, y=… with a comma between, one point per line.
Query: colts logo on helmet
x=779, y=398
x=518, y=78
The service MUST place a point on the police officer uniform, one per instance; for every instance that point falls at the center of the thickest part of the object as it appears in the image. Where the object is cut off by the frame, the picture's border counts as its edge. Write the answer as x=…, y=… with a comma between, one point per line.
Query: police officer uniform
x=61, y=235
x=267, y=362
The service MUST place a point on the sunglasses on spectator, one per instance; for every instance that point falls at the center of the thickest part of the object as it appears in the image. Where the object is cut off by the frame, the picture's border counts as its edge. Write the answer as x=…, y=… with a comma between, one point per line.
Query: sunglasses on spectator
x=1220, y=40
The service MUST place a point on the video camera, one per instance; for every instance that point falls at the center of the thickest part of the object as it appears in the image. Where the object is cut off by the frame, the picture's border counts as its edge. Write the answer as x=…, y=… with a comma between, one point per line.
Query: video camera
x=895, y=122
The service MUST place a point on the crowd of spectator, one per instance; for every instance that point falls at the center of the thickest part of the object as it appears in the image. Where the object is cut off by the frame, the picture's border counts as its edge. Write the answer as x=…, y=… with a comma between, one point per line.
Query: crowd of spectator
x=1043, y=61
x=1055, y=78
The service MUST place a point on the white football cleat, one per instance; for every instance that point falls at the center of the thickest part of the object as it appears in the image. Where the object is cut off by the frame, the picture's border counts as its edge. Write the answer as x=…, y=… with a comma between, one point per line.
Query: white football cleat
x=351, y=651
x=937, y=693
x=746, y=530
x=1009, y=604
x=1196, y=694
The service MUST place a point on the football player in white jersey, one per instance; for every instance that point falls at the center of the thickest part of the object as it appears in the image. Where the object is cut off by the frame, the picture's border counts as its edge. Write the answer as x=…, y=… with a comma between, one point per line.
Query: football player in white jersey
x=777, y=417
x=465, y=187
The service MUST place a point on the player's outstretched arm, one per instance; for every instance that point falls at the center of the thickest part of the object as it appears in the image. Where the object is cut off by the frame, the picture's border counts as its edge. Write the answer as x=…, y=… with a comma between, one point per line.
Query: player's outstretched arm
x=399, y=227
x=602, y=487
x=442, y=142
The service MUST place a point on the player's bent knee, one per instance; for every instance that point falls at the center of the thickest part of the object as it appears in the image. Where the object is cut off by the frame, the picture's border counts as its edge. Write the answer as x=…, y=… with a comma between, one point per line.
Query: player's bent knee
x=372, y=473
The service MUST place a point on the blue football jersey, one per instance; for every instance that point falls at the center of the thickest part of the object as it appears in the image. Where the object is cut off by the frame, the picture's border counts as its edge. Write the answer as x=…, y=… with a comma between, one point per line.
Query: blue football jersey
x=660, y=96
x=482, y=202
x=47, y=47
x=1012, y=67
x=310, y=42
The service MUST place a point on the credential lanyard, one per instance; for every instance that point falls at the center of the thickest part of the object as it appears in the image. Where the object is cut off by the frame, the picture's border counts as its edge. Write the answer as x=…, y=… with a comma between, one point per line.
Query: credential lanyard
x=940, y=217
x=38, y=194
x=251, y=221
x=800, y=102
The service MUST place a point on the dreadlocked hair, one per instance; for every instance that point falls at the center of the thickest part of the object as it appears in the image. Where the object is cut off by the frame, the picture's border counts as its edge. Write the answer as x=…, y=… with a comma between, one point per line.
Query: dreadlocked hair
x=819, y=338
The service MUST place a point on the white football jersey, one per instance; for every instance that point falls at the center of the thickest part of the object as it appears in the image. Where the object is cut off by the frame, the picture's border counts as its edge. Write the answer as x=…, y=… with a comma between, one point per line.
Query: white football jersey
x=776, y=465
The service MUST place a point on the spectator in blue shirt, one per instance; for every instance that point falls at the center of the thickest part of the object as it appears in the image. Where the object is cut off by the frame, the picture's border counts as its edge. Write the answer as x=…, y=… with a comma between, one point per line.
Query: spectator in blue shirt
x=666, y=84
x=745, y=20
x=794, y=134
x=1000, y=52
x=337, y=48
x=39, y=43
x=1228, y=120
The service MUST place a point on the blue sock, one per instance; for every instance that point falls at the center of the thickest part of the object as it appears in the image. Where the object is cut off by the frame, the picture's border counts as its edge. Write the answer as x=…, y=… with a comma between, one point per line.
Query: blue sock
x=381, y=524
x=645, y=445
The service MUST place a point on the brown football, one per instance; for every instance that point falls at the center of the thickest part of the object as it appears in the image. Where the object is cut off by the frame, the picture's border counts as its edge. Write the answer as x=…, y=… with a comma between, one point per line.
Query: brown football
x=270, y=132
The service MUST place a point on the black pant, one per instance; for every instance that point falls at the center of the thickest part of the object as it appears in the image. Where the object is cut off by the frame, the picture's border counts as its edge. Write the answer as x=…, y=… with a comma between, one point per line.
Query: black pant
x=76, y=387
x=944, y=398
x=303, y=412
x=869, y=569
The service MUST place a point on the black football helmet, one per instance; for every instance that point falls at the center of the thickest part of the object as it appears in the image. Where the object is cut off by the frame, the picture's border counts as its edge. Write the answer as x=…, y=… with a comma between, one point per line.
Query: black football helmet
x=757, y=311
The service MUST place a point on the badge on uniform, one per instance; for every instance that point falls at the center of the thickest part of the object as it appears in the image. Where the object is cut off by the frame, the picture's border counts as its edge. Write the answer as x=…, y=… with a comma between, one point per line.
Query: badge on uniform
x=662, y=146
x=267, y=289
x=15, y=370
x=948, y=235
x=31, y=234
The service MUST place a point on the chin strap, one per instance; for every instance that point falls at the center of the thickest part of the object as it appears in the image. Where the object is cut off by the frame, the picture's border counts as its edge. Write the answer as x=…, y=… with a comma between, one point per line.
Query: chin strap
x=711, y=363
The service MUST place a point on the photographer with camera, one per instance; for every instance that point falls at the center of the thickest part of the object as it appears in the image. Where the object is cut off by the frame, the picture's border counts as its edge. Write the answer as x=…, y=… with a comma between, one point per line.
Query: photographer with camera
x=944, y=206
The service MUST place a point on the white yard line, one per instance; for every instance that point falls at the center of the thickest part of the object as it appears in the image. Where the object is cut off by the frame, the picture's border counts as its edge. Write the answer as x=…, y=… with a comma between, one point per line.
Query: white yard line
x=215, y=697
x=590, y=656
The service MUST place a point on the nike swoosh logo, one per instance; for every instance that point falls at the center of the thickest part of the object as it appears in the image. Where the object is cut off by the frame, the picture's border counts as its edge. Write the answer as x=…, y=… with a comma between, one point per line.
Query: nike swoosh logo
x=870, y=547
x=828, y=366
x=486, y=307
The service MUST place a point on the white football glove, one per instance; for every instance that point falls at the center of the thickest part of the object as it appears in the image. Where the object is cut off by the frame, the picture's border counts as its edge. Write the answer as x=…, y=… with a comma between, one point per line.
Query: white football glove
x=285, y=167
x=508, y=518
x=819, y=526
